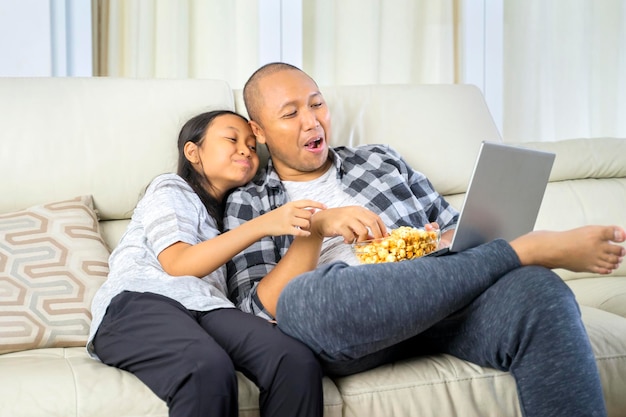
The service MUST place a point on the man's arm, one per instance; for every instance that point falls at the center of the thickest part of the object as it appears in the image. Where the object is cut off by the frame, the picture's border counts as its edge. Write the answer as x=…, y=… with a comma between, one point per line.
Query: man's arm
x=257, y=275
x=302, y=256
x=245, y=270
x=437, y=209
x=432, y=204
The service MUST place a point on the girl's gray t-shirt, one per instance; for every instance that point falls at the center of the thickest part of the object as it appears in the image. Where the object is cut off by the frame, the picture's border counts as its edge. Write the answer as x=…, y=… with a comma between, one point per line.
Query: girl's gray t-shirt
x=169, y=212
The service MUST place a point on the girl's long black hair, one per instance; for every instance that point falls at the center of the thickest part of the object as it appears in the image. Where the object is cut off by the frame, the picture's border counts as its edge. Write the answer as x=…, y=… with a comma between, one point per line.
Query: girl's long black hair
x=193, y=131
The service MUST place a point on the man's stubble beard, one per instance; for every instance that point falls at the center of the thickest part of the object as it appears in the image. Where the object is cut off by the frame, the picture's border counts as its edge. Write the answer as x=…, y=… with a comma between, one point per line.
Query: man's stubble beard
x=297, y=165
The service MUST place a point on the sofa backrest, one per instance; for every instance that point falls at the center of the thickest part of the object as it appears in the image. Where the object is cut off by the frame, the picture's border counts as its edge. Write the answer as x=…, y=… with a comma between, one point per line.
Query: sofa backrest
x=108, y=137
x=64, y=137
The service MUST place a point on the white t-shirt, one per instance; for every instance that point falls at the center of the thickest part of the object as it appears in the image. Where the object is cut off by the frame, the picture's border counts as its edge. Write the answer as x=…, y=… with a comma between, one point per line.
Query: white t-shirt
x=169, y=212
x=326, y=189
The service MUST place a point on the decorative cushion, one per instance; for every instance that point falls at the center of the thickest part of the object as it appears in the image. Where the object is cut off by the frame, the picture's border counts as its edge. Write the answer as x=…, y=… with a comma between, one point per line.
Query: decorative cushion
x=52, y=261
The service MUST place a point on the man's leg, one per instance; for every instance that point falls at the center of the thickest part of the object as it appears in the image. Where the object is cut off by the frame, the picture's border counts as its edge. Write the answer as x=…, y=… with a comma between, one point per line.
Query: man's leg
x=528, y=323
x=356, y=318
x=159, y=341
x=354, y=313
x=287, y=373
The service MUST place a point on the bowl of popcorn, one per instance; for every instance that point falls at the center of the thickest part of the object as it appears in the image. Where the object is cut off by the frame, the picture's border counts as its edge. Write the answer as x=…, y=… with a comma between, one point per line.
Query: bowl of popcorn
x=402, y=244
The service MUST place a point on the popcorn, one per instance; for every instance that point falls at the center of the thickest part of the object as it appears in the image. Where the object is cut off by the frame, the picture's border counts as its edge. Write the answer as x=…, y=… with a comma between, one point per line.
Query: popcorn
x=403, y=243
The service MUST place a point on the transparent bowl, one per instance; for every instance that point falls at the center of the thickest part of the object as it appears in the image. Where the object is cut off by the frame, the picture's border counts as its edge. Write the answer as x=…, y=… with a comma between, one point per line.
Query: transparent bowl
x=402, y=244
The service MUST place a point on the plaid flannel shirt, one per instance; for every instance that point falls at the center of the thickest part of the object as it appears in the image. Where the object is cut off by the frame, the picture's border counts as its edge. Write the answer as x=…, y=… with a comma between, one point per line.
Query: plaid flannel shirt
x=375, y=175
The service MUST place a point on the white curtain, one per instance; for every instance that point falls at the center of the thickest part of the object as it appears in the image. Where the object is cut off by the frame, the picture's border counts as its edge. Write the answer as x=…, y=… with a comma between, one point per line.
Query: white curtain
x=380, y=41
x=345, y=42
x=564, y=69
x=564, y=61
x=178, y=39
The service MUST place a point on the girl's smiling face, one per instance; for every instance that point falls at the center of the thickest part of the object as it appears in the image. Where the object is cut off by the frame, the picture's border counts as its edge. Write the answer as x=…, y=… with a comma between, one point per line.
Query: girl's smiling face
x=226, y=155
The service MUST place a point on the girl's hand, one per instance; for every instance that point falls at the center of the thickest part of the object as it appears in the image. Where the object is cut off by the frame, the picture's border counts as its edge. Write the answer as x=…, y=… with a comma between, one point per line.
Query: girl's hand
x=293, y=218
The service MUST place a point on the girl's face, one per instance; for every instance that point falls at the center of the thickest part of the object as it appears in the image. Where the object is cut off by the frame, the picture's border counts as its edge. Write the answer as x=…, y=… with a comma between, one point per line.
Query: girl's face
x=227, y=154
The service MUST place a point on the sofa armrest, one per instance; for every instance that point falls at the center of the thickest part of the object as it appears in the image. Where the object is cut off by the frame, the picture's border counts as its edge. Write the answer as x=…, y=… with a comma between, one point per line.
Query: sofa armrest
x=585, y=158
x=587, y=186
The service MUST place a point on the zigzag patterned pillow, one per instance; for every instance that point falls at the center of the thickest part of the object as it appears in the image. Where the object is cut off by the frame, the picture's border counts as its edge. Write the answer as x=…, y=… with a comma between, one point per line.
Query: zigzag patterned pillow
x=52, y=261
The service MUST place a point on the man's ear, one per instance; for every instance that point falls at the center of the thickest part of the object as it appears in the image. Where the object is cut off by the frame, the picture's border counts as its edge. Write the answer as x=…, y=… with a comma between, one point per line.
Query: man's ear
x=191, y=152
x=257, y=130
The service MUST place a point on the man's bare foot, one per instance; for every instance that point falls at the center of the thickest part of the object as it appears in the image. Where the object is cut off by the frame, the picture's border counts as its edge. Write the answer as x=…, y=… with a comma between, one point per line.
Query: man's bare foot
x=585, y=249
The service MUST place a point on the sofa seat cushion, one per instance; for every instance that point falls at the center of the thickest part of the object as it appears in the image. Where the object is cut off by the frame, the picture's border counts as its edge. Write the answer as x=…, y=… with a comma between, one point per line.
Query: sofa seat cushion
x=432, y=386
x=67, y=382
x=604, y=293
x=442, y=385
x=61, y=382
x=607, y=333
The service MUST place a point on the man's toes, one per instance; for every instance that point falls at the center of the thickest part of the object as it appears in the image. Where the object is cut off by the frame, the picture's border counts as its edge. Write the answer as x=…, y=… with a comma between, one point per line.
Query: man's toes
x=619, y=235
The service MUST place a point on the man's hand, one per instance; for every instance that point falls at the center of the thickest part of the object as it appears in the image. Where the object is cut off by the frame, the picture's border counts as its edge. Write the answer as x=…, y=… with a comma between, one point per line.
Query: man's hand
x=354, y=223
x=446, y=237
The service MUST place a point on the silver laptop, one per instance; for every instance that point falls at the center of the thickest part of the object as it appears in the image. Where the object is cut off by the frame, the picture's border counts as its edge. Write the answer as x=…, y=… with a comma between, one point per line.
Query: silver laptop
x=504, y=195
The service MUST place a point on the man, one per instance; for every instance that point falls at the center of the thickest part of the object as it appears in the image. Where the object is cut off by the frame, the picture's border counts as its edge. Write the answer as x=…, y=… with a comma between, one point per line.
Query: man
x=497, y=305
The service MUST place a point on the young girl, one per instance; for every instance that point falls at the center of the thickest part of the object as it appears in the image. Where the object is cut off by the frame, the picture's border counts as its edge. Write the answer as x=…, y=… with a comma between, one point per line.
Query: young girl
x=163, y=313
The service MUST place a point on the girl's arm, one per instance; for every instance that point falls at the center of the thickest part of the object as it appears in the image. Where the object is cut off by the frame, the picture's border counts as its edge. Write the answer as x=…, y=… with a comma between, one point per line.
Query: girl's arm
x=303, y=254
x=205, y=257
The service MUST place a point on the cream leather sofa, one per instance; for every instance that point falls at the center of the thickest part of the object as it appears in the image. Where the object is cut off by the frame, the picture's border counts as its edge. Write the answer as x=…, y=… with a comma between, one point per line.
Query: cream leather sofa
x=63, y=138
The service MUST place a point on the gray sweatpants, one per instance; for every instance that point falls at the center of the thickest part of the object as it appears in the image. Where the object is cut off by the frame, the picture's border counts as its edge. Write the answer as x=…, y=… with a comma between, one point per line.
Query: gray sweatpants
x=479, y=305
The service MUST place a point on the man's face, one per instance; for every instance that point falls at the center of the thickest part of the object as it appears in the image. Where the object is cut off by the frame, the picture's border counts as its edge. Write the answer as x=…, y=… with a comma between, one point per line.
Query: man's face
x=294, y=122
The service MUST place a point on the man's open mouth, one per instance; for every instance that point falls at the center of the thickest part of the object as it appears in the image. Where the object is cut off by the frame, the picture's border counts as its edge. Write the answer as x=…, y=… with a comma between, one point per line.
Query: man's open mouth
x=314, y=144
